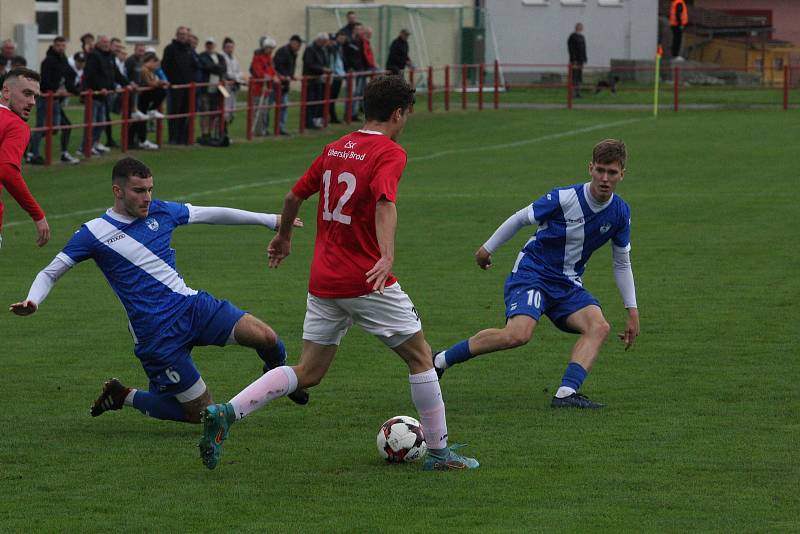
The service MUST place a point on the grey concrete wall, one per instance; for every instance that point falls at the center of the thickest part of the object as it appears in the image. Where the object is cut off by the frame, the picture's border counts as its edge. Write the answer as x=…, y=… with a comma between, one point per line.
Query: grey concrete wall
x=538, y=33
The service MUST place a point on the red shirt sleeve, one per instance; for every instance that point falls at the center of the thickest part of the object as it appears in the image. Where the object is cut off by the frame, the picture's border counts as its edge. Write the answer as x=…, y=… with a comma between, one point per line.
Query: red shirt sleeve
x=11, y=179
x=14, y=142
x=386, y=175
x=309, y=183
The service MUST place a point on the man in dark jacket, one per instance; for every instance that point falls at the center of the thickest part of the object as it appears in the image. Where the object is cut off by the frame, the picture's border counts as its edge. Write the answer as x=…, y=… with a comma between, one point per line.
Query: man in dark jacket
x=100, y=75
x=284, y=62
x=398, y=53
x=576, y=46
x=56, y=75
x=179, y=66
x=354, y=61
x=212, y=68
x=315, y=66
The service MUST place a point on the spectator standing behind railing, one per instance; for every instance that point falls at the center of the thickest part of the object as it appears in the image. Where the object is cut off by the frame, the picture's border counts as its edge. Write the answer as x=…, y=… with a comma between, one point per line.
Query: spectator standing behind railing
x=314, y=67
x=133, y=71
x=576, y=47
x=354, y=62
x=178, y=65
x=77, y=63
x=369, y=55
x=56, y=76
x=398, y=58
x=18, y=94
x=234, y=79
x=263, y=71
x=100, y=75
x=10, y=59
x=213, y=68
x=285, y=60
x=349, y=28
x=336, y=63
x=150, y=98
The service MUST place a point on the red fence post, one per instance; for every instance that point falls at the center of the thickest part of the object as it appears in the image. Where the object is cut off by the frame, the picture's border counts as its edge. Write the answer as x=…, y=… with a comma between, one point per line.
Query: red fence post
x=786, y=79
x=303, y=97
x=447, y=87
x=348, y=107
x=676, y=74
x=250, y=87
x=88, y=118
x=464, y=87
x=570, y=88
x=48, y=136
x=411, y=77
x=496, y=84
x=481, y=75
x=123, y=135
x=192, y=111
x=160, y=126
x=430, y=88
x=326, y=100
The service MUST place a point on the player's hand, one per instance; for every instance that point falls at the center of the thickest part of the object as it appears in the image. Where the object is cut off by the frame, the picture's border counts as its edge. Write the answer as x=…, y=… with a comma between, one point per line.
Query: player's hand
x=278, y=249
x=297, y=223
x=26, y=307
x=483, y=258
x=379, y=273
x=44, y=232
x=631, y=328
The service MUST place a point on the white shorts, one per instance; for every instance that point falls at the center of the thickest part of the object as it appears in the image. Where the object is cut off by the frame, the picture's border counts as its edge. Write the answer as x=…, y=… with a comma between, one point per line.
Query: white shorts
x=391, y=317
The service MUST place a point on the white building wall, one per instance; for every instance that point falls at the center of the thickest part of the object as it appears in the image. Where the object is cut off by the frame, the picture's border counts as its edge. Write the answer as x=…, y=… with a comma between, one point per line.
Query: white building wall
x=536, y=32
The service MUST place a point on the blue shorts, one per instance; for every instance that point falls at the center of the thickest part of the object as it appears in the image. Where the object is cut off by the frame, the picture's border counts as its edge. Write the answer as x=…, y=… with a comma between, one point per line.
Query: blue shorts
x=167, y=358
x=526, y=293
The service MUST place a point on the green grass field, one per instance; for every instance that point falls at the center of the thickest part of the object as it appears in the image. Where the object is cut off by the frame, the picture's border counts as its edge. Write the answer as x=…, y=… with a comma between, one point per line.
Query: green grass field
x=701, y=429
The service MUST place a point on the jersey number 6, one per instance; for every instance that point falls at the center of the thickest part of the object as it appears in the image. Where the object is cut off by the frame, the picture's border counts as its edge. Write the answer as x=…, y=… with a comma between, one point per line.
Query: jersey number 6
x=348, y=179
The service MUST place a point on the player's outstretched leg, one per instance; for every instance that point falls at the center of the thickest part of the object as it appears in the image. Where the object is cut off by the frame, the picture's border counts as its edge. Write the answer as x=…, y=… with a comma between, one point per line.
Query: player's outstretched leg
x=447, y=459
x=217, y=420
x=112, y=397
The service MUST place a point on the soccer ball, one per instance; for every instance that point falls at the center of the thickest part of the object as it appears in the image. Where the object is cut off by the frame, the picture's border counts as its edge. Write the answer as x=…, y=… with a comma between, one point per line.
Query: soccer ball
x=400, y=440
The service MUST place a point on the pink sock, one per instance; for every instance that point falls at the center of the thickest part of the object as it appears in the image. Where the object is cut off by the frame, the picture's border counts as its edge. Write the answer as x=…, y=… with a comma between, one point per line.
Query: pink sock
x=427, y=397
x=275, y=383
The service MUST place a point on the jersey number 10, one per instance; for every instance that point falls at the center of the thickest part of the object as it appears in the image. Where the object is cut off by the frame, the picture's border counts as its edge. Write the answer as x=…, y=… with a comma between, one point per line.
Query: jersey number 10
x=350, y=180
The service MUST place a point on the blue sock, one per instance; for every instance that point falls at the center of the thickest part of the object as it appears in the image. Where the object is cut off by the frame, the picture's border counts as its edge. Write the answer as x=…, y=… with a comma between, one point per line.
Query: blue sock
x=274, y=357
x=458, y=353
x=573, y=376
x=158, y=406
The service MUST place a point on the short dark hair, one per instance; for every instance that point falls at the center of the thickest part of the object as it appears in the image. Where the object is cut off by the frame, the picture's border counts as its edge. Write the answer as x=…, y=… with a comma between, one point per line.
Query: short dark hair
x=149, y=56
x=610, y=151
x=349, y=13
x=227, y=40
x=85, y=37
x=60, y=39
x=127, y=167
x=21, y=72
x=384, y=95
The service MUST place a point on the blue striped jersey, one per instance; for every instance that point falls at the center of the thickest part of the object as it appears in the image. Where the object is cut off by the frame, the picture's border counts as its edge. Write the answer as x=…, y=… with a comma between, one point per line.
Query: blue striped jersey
x=571, y=226
x=136, y=258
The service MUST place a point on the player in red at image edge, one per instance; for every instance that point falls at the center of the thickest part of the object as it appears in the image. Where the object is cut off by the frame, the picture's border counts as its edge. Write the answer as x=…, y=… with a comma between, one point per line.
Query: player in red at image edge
x=351, y=275
x=17, y=98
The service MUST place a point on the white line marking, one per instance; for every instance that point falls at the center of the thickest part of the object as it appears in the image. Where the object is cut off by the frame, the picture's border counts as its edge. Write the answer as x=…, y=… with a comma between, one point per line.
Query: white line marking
x=434, y=155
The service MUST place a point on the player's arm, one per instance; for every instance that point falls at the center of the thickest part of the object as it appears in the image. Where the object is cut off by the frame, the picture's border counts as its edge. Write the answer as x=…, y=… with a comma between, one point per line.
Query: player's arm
x=12, y=180
x=504, y=232
x=220, y=215
x=281, y=245
x=385, y=227
x=42, y=285
x=623, y=275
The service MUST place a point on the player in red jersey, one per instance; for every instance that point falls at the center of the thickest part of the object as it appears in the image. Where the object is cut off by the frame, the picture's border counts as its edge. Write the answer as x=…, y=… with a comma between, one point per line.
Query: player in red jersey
x=17, y=99
x=351, y=275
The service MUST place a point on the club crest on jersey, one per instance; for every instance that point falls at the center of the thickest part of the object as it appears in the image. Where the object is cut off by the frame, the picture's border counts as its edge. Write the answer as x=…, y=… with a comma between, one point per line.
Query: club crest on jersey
x=605, y=228
x=349, y=144
x=152, y=224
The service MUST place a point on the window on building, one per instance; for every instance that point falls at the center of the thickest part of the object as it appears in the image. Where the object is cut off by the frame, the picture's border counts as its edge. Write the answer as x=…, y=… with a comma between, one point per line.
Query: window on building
x=50, y=18
x=139, y=20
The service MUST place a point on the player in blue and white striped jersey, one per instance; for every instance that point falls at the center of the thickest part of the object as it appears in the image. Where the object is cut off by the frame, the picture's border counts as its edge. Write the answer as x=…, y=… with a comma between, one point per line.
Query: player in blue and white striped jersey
x=572, y=222
x=130, y=244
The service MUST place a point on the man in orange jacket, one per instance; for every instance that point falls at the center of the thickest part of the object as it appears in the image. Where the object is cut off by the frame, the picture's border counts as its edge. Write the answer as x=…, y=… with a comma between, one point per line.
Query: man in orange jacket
x=678, y=19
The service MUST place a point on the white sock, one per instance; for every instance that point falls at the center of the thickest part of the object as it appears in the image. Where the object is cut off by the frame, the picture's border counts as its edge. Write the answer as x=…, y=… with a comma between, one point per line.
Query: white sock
x=564, y=391
x=129, y=397
x=427, y=397
x=270, y=386
x=440, y=361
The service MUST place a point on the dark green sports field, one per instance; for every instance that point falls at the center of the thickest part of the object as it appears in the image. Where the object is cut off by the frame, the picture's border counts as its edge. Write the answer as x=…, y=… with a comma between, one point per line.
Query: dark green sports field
x=701, y=429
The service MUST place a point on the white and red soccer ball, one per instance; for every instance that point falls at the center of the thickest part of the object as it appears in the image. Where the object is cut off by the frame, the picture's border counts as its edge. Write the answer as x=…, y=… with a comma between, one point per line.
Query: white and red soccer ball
x=400, y=439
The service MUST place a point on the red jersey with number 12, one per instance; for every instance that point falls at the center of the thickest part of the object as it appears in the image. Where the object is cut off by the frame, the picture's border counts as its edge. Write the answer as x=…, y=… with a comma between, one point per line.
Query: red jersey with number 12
x=351, y=176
